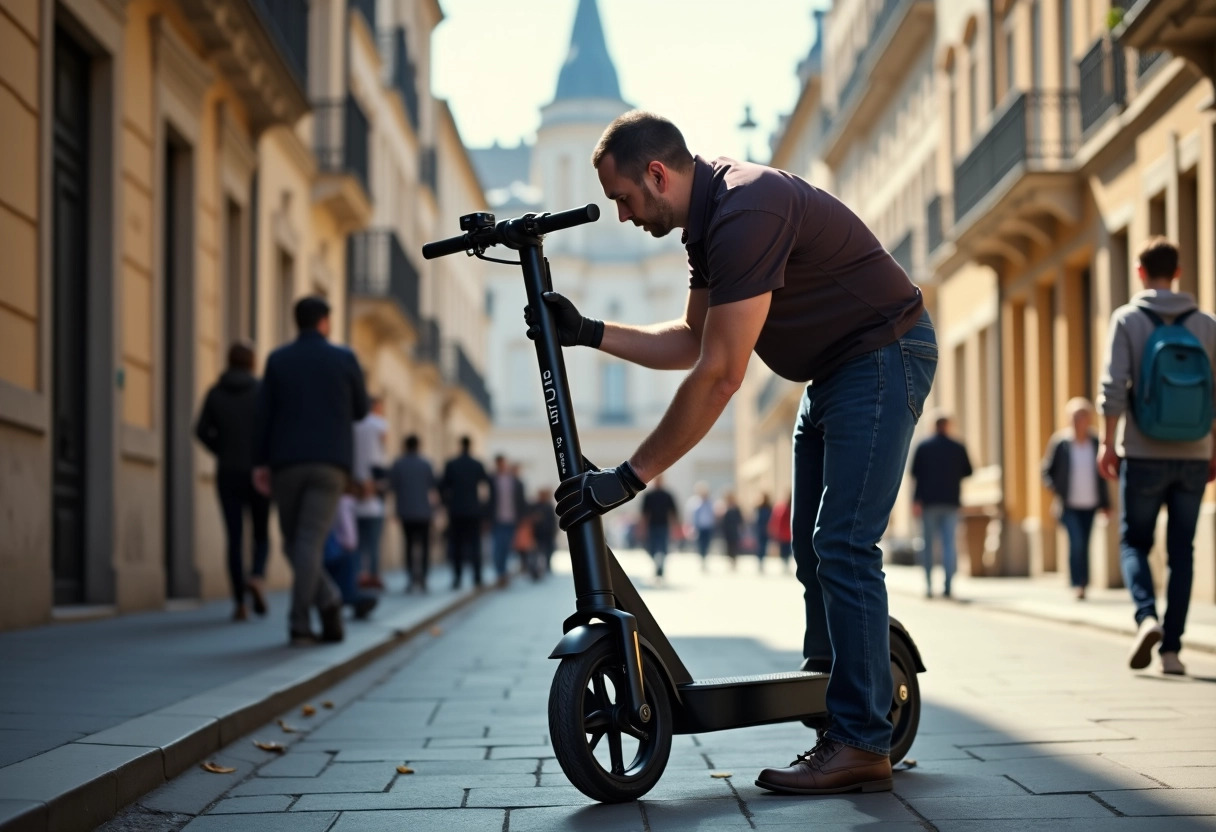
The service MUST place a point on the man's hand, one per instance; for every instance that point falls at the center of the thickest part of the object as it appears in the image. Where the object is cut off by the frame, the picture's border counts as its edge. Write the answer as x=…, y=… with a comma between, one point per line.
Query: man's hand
x=595, y=492
x=261, y=480
x=573, y=330
x=1108, y=462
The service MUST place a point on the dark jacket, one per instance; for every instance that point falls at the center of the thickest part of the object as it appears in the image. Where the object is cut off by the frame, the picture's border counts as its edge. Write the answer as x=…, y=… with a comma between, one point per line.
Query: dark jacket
x=1057, y=468
x=226, y=423
x=518, y=499
x=458, y=488
x=312, y=394
x=939, y=466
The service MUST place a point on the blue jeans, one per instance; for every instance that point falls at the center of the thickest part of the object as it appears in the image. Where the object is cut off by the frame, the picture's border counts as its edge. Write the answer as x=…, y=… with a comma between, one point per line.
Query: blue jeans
x=1145, y=485
x=704, y=538
x=503, y=537
x=850, y=447
x=940, y=521
x=1079, y=522
x=370, y=530
x=656, y=545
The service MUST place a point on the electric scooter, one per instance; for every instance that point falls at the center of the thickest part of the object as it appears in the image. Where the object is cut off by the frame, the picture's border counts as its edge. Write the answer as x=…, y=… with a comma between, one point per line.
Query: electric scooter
x=620, y=683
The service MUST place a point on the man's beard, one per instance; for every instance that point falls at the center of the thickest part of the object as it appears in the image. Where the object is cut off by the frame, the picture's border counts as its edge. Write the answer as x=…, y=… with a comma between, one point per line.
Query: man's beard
x=659, y=216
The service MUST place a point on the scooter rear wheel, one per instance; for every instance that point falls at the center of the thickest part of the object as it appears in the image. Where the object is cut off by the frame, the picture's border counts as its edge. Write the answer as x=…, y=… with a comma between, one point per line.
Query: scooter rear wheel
x=604, y=757
x=905, y=701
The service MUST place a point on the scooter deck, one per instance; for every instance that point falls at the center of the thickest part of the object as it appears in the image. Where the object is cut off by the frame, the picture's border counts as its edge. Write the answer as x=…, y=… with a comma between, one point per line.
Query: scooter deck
x=741, y=701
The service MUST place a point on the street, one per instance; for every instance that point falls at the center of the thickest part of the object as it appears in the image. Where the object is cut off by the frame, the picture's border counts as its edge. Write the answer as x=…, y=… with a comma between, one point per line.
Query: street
x=1026, y=725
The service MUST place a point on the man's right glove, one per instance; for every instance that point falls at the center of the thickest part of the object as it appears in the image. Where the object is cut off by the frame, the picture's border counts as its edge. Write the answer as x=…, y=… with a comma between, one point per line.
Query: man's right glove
x=573, y=330
x=595, y=492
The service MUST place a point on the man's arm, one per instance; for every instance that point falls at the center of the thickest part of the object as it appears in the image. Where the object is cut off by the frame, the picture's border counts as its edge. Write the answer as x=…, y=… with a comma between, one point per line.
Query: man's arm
x=726, y=342
x=673, y=345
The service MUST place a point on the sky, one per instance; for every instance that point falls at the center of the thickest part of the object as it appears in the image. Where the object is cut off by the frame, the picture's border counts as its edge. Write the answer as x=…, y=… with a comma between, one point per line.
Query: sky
x=697, y=62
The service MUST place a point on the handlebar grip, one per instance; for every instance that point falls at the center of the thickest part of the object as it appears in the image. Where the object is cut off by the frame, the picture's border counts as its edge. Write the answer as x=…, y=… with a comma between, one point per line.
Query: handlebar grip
x=568, y=219
x=442, y=248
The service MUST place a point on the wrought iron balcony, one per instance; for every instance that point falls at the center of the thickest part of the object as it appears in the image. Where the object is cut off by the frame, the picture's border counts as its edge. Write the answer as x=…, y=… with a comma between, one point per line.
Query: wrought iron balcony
x=399, y=70
x=342, y=139
x=902, y=254
x=1147, y=61
x=379, y=268
x=1039, y=130
x=466, y=376
x=287, y=23
x=368, y=9
x=1103, y=73
x=430, y=345
x=934, y=232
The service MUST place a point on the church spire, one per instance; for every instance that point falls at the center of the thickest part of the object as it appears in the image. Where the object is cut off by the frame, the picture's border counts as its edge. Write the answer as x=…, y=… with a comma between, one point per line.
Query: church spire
x=588, y=71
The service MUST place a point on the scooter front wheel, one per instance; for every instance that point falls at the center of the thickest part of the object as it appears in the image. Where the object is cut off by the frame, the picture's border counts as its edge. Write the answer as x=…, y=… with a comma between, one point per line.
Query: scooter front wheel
x=604, y=756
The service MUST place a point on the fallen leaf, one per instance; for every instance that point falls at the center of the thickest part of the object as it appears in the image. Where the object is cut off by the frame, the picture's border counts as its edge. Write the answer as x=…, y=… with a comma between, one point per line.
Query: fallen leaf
x=308, y=710
x=276, y=747
x=327, y=704
x=721, y=775
x=436, y=631
x=287, y=729
x=216, y=768
x=404, y=770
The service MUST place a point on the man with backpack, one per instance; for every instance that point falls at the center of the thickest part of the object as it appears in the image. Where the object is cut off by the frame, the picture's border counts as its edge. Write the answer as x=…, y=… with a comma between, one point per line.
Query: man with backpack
x=1159, y=379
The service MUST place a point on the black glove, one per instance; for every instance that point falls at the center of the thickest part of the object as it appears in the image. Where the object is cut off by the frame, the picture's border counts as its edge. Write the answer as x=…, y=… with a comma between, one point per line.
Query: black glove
x=573, y=330
x=595, y=492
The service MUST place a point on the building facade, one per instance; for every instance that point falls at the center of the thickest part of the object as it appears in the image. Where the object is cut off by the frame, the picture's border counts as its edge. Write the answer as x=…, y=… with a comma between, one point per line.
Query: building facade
x=180, y=173
x=608, y=269
x=1068, y=133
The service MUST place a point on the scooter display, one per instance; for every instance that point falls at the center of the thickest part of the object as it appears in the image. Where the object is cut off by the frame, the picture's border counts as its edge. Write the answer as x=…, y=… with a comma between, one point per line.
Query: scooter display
x=620, y=691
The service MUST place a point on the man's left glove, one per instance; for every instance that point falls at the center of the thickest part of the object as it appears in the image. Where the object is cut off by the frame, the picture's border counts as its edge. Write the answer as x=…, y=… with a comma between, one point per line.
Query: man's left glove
x=595, y=492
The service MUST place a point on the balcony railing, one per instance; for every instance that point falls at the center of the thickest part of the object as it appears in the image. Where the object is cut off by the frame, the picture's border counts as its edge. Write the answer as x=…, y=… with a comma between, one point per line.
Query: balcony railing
x=466, y=376
x=429, y=347
x=342, y=138
x=902, y=253
x=1147, y=61
x=399, y=70
x=934, y=232
x=379, y=268
x=1103, y=73
x=888, y=10
x=428, y=169
x=1037, y=127
x=287, y=22
x=368, y=9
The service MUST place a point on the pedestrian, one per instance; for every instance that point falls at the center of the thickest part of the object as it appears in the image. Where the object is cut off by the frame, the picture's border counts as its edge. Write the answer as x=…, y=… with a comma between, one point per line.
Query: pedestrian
x=544, y=526
x=732, y=528
x=311, y=395
x=507, y=509
x=782, y=268
x=702, y=521
x=412, y=481
x=370, y=470
x=658, y=513
x=939, y=467
x=1070, y=469
x=463, y=476
x=226, y=428
x=1163, y=453
x=342, y=556
x=781, y=530
x=764, y=515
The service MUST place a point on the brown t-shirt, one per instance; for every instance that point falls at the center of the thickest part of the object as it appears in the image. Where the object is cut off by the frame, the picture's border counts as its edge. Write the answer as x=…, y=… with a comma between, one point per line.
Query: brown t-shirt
x=837, y=293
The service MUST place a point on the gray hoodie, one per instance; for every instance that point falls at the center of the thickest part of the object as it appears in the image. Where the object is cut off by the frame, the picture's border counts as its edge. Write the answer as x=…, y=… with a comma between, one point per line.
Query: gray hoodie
x=1129, y=331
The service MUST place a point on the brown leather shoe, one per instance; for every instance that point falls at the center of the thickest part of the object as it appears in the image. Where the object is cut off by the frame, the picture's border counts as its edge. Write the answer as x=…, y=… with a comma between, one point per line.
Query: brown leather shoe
x=831, y=767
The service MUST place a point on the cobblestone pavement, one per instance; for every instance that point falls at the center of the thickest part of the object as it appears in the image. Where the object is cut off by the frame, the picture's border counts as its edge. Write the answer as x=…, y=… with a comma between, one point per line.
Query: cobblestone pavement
x=1027, y=724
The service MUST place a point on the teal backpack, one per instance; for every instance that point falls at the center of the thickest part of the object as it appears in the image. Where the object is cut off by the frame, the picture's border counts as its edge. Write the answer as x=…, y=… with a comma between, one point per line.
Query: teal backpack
x=1173, y=400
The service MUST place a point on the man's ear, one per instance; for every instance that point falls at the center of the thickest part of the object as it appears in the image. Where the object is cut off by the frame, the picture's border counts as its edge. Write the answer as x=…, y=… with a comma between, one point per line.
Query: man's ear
x=657, y=173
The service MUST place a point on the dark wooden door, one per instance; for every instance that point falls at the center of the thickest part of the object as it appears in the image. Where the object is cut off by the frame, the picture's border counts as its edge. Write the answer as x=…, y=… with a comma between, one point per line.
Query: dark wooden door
x=70, y=275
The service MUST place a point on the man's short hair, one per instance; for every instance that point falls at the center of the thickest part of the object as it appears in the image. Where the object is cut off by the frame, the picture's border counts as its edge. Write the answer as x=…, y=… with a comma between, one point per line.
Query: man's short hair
x=310, y=311
x=465, y=443
x=411, y=443
x=240, y=356
x=638, y=138
x=1159, y=258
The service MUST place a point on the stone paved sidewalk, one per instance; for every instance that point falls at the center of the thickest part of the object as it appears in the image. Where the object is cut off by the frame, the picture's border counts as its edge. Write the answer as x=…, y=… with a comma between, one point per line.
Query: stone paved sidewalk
x=1028, y=724
x=95, y=714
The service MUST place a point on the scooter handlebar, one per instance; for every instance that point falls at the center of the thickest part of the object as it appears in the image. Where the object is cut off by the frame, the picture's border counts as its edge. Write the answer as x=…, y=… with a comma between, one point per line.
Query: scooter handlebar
x=511, y=230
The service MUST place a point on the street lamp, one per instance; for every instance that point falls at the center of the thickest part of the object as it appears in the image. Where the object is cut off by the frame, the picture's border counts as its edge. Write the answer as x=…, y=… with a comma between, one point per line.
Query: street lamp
x=747, y=126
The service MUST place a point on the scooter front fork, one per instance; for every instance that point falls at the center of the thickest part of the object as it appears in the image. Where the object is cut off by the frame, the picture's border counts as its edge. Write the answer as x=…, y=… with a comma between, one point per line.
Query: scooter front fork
x=631, y=652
